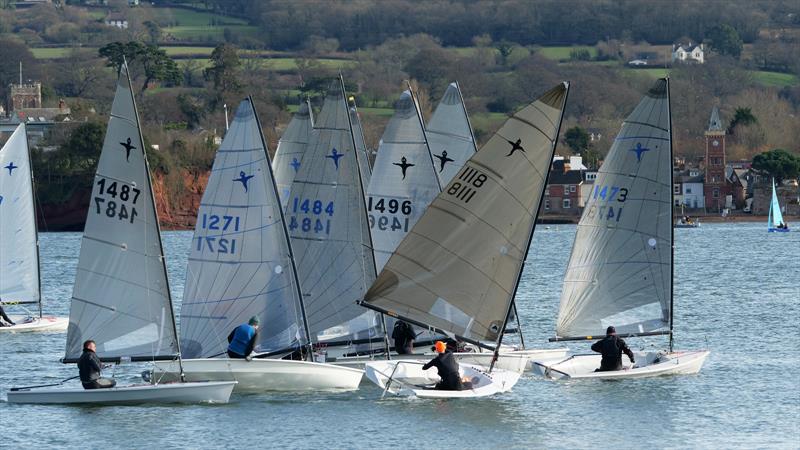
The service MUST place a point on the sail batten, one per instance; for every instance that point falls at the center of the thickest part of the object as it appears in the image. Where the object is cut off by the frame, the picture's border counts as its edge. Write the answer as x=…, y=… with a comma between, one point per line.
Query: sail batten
x=19, y=261
x=458, y=268
x=121, y=293
x=619, y=272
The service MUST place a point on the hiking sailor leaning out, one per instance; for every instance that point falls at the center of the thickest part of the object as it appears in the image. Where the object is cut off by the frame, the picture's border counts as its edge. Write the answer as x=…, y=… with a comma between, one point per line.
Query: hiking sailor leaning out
x=612, y=348
x=242, y=339
x=90, y=369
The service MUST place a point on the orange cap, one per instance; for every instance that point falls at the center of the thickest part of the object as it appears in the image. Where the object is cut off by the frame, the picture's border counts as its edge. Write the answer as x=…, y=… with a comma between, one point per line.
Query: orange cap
x=440, y=347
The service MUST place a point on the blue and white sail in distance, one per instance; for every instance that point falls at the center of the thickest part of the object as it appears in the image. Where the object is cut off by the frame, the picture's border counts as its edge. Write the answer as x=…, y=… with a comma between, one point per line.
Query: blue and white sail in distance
x=775, y=222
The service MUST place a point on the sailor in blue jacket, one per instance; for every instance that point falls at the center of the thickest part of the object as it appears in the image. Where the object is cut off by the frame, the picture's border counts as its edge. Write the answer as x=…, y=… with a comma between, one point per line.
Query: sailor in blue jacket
x=243, y=339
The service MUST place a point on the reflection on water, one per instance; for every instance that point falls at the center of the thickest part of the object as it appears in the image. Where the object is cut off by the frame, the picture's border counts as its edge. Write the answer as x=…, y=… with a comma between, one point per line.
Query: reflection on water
x=736, y=292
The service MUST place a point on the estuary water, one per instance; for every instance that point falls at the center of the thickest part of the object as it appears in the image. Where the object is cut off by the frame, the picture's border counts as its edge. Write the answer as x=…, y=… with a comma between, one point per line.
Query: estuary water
x=737, y=293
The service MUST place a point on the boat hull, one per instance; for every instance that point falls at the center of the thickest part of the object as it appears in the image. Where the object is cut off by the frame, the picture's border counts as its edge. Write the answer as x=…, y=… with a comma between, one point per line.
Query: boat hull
x=778, y=230
x=655, y=364
x=211, y=392
x=45, y=323
x=406, y=378
x=260, y=375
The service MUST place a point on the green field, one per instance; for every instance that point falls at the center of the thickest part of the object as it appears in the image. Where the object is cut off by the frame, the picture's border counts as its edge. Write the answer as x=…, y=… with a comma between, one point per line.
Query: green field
x=776, y=79
x=562, y=53
x=191, y=18
x=281, y=64
x=652, y=73
x=187, y=51
x=55, y=53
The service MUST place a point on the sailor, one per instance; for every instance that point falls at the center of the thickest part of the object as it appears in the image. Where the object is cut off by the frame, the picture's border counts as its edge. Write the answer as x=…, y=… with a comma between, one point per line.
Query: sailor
x=90, y=367
x=5, y=321
x=243, y=339
x=447, y=366
x=403, y=335
x=612, y=348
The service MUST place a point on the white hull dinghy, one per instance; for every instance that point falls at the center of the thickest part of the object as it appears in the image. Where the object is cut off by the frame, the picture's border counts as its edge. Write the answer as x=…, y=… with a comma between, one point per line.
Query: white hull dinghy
x=211, y=392
x=620, y=272
x=511, y=361
x=457, y=272
x=406, y=378
x=650, y=364
x=260, y=375
x=44, y=323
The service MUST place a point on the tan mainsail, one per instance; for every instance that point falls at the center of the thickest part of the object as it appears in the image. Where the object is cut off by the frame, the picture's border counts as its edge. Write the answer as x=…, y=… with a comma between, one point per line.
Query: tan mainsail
x=459, y=266
x=619, y=272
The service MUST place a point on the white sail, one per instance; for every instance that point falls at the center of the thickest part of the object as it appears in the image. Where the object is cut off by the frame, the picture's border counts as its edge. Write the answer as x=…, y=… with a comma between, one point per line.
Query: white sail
x=775, y=216
x=361, y=146
x=239, y=262
x=404, y=181
x=19, y=259
x=291, y=147
x=450, y=135
x=121, y=294
x=458, y=268
x=619, y=272
x=327, y=222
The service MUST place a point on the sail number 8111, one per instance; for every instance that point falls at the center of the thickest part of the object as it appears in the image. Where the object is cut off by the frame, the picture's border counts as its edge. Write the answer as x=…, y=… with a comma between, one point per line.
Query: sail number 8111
x=116, y=200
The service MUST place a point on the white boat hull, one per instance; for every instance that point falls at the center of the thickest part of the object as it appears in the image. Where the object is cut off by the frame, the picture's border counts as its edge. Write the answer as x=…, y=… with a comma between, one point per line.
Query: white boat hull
x=211, y=392
x=649, y=364
x=406, y=378
x=45, y=323
x=259, y=375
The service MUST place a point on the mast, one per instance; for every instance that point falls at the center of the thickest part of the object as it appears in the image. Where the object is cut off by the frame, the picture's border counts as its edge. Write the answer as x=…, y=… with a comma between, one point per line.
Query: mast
x=424, y=134
x=158, y=224
x=464, y=108
x=671, y=225
x=35, y=223
x=512, y=304
x=309, y=346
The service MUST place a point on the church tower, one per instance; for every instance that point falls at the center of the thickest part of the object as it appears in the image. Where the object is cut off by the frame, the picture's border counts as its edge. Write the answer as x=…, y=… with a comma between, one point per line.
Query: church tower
x=715, y=187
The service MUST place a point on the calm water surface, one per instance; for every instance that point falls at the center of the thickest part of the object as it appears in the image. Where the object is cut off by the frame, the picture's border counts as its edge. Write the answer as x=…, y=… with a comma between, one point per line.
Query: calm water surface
x=737, y=292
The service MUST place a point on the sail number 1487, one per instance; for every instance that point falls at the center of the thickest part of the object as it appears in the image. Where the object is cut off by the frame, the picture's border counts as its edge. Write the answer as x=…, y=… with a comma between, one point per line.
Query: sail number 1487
x=116, y=200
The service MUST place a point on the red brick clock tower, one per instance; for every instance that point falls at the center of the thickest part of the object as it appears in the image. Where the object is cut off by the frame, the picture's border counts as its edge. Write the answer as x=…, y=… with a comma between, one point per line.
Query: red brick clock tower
x=715, y=185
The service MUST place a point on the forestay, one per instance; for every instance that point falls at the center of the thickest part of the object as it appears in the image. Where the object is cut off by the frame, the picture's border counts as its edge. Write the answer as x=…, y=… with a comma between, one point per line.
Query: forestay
x=19, y=259
x=291, y=147
x=458, y=268
x=121, y=295
x=450, y=135
x=619, y=272
x=239, y=263
x=361, y=146
x=328, y=224
x=404, y=181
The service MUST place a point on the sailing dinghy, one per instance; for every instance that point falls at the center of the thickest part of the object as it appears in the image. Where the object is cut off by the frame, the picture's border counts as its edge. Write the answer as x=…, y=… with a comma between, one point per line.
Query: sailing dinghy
x=457, y=271
x=620, y=272
x=20, y=278
x=241, y=265
x=121, y=296
x=775, y=223
x=291, y=148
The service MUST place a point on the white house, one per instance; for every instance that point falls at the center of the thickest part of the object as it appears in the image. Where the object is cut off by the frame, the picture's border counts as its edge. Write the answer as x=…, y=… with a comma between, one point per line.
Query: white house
x=116, y=20
x=688, y=53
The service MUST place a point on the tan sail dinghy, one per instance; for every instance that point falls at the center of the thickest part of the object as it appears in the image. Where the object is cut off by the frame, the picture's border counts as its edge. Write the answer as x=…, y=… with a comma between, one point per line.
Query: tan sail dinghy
x=121, y=296
x=20, y=277
x=241, y=265
x=458, y=270
x=620, y=272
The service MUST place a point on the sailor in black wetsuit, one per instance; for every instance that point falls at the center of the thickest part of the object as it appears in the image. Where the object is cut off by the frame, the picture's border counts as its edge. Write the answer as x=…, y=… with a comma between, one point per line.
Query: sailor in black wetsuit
x=3, y=317
x=612, y=349
x=403, y=335
x=447, y=366
x=89, y=367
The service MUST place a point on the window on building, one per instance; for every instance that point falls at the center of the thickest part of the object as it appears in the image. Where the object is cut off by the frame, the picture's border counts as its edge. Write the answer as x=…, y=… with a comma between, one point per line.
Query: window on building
x=676, y=189
x=567, y=204
x=547, y=190
x=688, y=190
x=547, y=205
x=572, y=188
x=715, y=193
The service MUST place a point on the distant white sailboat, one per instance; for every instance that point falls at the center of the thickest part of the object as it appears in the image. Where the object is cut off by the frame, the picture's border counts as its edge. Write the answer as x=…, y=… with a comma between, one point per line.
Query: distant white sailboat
x=620, y=272
x=775, y=222
x=291, y=148
x=121, y=296
x=20, y=277
x=241, y=265
x=457, y=271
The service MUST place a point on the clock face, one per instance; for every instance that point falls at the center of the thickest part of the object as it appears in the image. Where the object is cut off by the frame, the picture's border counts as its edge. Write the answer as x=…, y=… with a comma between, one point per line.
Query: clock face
x=715, y=143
